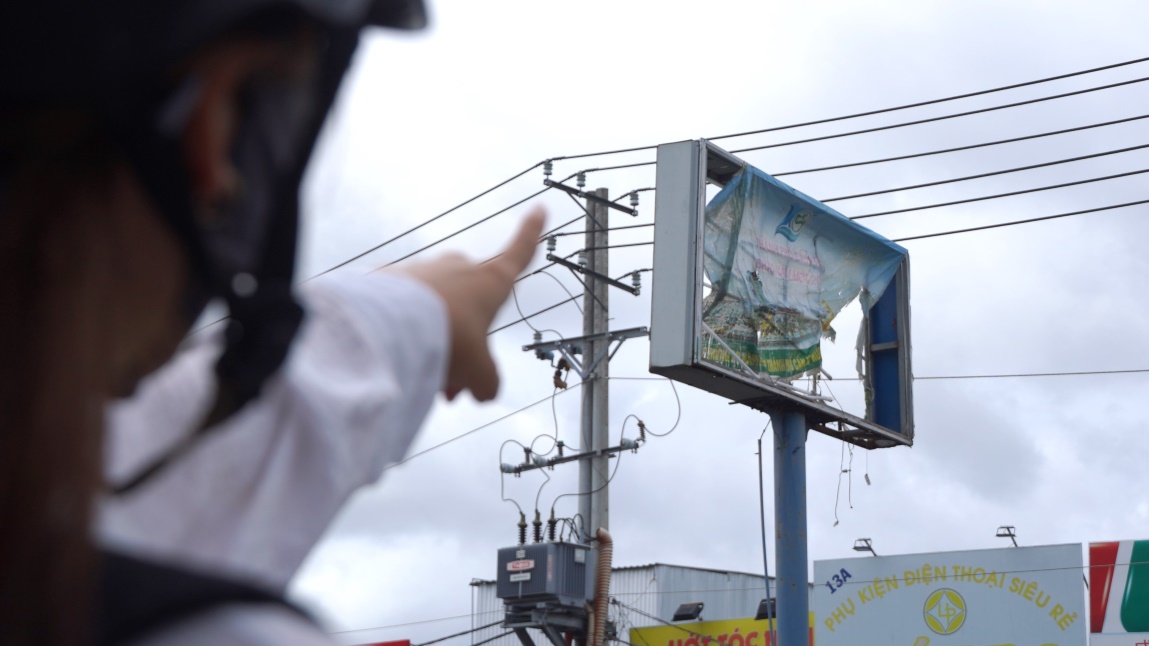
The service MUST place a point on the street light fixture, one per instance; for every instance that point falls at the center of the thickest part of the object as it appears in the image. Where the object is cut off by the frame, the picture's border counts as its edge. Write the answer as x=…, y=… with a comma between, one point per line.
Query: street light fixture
x=864, y=545
x=1008, y=531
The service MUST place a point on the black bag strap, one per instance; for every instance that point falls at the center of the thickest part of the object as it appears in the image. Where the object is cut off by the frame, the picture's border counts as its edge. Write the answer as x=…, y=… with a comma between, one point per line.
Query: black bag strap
x=138, y=596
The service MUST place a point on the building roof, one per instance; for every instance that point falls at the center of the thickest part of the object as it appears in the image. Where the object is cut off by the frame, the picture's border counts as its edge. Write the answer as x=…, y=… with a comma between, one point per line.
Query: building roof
x=625, y=568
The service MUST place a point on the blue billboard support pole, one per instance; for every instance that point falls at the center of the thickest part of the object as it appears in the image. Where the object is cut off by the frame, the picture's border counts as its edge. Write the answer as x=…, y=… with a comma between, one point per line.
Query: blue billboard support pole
x=792, y=582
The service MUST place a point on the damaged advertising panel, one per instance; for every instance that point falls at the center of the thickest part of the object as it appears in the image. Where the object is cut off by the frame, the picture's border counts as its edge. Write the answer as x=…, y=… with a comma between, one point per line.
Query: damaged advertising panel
x=748, y=285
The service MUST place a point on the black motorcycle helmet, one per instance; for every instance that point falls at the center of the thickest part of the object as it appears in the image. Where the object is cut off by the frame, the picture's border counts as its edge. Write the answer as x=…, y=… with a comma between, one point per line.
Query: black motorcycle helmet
x=112, y=59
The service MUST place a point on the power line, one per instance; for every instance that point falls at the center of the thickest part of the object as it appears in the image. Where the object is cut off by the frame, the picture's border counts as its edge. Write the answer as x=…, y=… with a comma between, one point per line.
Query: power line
x=429, y=221
x=620, y=246
x=887, y=110
x=518, y=280
x=460, y=634
x=641, y=148
x=1027, y=221
x=523, y=319
x=634, y=192
x=1037, y=374
x=469, y=226
x=622, y=228
x=578, y=494
x=934, y=101
x=845, y=117
x=1000, y=195
x=617, y=167
x=961, y=148
x=491, y=639
x=562, y=226
x=605, y=153
x=982, y=175
x=942, y=117
x=476, y=429
x=663, y=621
x=564, y=288
x=411, y=623
x=530, y=316
x=1075, y=373
x=916, y=155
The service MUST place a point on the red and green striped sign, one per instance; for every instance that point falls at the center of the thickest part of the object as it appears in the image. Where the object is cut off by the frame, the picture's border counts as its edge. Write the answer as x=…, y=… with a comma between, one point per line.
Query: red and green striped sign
x=1119, y=587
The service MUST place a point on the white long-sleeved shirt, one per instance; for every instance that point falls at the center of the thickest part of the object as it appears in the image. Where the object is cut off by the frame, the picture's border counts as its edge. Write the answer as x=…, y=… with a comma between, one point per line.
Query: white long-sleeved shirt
x=256, y=493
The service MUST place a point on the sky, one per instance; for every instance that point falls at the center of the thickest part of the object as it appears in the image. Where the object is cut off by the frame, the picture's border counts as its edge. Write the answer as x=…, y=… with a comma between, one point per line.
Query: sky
x=426, y=121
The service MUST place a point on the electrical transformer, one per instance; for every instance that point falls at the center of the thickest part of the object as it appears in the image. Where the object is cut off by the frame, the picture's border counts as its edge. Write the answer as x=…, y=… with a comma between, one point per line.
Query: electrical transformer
x=559, y=574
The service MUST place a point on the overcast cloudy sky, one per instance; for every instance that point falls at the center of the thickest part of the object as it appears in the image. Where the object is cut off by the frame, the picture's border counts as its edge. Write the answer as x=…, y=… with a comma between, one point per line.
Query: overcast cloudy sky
x=494, y=87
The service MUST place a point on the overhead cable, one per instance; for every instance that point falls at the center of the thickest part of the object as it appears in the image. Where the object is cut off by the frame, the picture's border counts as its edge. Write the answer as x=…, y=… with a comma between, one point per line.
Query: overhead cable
x=460, y=634
x=491, y=639
x=620, y=246
x=907, y=106
x=913, y=155
x=617, y=167
x=981, y=376
x=1000, y=195
x=429, y=221
x=961, y=148
x=530, y=316
x=564, y=302
x=934, y=101
x=944, y=117
x=416, y=623
x=605, y=153
x=468, y=227
x=478, y=428
x=1027, y=221
x=1038, y=374
x=562, y=226
x=622, y=228
x=982, y=175
x=777, y=128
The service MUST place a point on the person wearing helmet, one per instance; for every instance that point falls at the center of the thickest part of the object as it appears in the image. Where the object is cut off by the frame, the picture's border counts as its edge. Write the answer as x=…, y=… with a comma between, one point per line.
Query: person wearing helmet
x=150, y=159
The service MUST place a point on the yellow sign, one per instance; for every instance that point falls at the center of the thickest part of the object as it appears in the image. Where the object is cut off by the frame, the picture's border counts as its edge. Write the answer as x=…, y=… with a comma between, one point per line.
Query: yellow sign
x=731, y=632
x=1016, y=595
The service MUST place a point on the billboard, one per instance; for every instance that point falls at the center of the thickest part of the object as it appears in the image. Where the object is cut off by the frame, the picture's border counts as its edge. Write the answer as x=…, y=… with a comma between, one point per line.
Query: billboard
x=729, y=632
x=1119, y=593
x=747, y=286
x=1017, y=595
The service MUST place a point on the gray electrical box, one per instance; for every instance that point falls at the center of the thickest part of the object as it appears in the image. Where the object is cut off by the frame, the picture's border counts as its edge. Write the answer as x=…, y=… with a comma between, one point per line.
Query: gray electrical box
x=559, y=573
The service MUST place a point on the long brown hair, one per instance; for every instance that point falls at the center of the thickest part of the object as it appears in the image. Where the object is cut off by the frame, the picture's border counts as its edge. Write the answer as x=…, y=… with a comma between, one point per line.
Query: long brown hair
x=53, y=373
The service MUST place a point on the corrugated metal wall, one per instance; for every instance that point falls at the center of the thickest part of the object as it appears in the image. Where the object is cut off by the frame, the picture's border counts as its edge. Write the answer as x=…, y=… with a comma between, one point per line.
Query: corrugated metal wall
x=656, y=590
x=487, y=608
x=727, y=595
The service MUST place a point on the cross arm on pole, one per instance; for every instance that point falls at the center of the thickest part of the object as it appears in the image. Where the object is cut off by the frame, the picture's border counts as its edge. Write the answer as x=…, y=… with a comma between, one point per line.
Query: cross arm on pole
x=593, y=274
x=590, y=197
x=625, y=445
x=575, y=345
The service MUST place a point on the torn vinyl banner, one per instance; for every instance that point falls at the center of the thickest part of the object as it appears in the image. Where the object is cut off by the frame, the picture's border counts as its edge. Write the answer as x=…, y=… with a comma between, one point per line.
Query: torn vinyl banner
x=781, y=265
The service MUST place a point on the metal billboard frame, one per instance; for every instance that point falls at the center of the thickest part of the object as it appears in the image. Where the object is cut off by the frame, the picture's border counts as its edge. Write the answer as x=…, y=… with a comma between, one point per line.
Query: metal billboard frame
x=683, y=170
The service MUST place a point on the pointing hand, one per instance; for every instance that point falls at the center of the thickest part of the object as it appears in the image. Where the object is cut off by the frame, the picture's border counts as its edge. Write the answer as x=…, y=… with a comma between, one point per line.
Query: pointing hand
x=473, y=294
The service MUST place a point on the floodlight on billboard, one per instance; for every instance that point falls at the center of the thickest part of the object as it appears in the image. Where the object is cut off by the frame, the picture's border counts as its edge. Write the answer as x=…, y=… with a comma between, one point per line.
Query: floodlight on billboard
x=747, y=284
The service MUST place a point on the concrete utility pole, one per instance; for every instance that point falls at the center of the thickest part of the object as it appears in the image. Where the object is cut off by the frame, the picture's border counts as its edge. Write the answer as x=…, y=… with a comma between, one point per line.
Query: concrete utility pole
x=594, y=472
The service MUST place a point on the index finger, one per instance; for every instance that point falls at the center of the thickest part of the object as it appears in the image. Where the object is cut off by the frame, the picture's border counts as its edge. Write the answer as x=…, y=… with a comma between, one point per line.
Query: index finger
x=519, y=252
